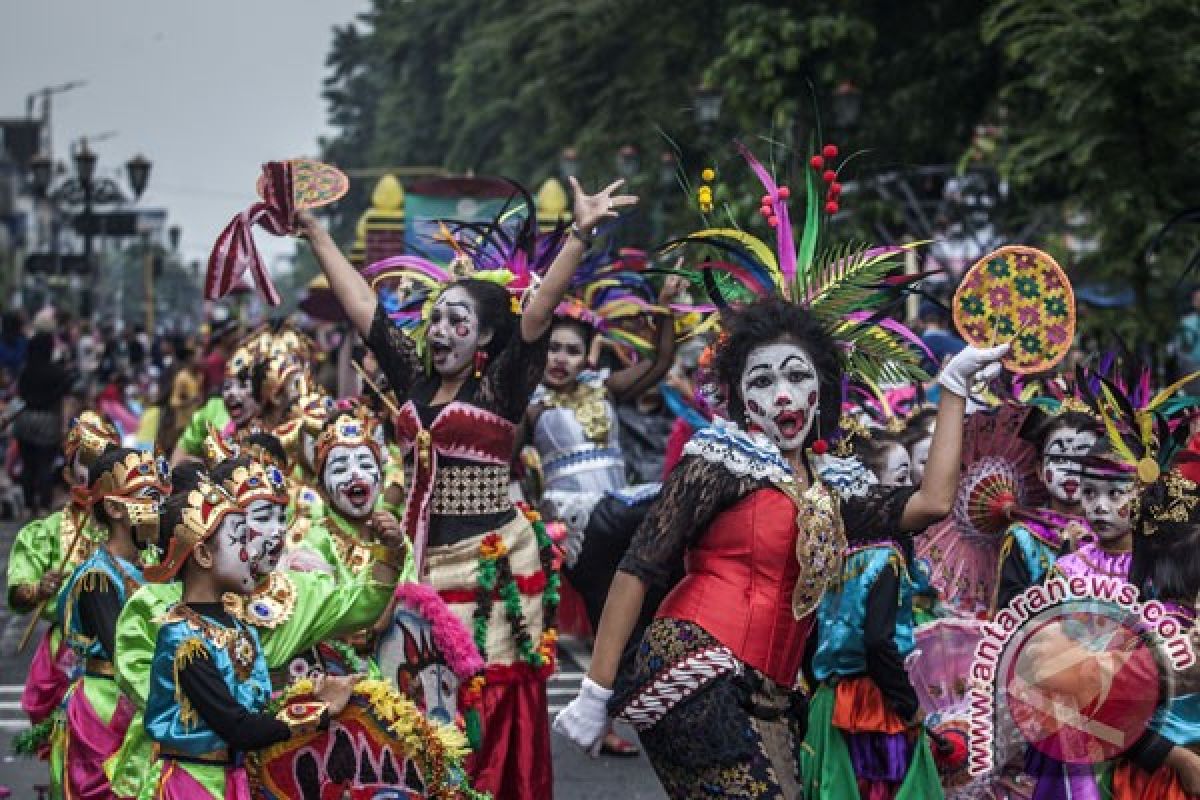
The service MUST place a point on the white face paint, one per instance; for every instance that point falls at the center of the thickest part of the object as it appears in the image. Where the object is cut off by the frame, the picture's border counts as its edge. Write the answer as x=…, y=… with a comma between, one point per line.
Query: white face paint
x=780, y=392
x=896, y=469
x=79, y=472
x=352, y=480
x=453, y=334
x=238, y=394
x=1060, y=466
x=233, y=562
x=309, y=443
x=919, y=456
x=1107, y=504
x=266, y=526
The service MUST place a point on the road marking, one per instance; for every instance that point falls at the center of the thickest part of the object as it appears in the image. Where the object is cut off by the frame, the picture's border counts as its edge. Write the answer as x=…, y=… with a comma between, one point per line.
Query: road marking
x=14, y=724
x=11, y=688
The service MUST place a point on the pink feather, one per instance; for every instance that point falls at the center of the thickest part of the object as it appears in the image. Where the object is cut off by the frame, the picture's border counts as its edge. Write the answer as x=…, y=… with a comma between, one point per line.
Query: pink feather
x=450, y=635
x=784, y=245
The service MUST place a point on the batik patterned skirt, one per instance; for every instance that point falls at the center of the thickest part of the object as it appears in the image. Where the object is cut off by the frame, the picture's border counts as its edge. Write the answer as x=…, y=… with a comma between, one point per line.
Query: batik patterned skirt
x=711, y=726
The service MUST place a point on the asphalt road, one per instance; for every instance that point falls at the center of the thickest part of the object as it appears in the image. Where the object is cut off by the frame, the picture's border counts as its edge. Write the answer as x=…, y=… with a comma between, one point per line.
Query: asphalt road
x=576, y=775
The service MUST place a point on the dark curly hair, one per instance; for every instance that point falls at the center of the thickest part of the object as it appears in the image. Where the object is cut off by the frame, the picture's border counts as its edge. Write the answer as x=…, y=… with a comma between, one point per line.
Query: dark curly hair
x=493, y=304
x=776, y=320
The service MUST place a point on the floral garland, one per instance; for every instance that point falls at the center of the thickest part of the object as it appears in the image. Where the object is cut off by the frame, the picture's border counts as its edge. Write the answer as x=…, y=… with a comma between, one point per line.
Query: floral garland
x=495, y=576
x=439, y=750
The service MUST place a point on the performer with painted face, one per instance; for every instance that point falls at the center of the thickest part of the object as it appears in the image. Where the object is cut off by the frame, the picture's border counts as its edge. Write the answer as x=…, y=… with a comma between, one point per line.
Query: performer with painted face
x=209, y=684
x=458, y=422
x=1166, y=538
x=575, y=431
x=238, y=409
x=712, y=687
x=125, y=490
x=292, y=611
x=43, y=553
x=1031, y=546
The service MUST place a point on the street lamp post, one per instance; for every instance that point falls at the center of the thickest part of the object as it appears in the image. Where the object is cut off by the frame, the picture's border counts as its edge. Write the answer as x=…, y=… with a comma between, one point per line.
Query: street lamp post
x=87, y=192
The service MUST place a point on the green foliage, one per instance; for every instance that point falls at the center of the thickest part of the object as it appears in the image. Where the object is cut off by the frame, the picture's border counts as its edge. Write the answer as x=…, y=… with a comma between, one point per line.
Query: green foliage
x=1094, y=103
x=1104, y=119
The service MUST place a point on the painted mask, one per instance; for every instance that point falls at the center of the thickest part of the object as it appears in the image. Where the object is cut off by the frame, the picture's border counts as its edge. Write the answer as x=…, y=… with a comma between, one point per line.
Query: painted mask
x=780, y=392
x=233, y=557
x=352, y=479
x=453, y=334
x=1060, y=464
x=896, y=469
x=266, y=528
x=410, y=658
x=1107, y=503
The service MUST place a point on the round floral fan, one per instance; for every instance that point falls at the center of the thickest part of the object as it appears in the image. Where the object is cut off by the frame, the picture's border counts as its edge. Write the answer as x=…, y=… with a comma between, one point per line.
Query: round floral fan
x=314, y=183
x=1018, y=294
x=999, y=480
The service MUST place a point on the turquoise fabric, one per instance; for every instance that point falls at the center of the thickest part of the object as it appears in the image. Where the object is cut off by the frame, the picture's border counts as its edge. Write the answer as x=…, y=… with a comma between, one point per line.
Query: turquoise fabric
x=1036, y=554
x=1179, y=720
x=841, y=616
x=171, y=723
x=101, y=566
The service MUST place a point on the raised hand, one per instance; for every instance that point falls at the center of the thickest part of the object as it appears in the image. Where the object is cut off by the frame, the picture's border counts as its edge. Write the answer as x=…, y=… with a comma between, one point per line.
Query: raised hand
x=592, y=209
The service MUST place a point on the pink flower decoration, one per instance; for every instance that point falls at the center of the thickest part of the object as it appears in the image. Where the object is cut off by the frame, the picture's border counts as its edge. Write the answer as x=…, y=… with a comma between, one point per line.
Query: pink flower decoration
x=999, y=296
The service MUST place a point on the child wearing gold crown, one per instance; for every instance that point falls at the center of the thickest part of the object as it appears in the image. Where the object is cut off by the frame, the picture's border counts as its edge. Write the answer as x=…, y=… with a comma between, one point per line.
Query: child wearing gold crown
x=43, y=552
x=209, y=684
x=125, y=490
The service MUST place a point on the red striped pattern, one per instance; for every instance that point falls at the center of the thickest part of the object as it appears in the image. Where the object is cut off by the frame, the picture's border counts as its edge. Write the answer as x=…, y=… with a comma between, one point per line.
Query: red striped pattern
x=234, y=251
x=529, y=585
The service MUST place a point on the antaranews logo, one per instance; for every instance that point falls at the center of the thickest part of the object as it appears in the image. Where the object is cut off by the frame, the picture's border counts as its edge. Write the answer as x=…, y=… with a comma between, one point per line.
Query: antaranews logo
x=1075, y=668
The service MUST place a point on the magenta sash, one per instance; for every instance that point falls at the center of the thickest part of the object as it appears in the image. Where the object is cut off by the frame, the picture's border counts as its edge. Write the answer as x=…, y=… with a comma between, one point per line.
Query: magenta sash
x=49, y=678
x=177, y=784
x=89, y=744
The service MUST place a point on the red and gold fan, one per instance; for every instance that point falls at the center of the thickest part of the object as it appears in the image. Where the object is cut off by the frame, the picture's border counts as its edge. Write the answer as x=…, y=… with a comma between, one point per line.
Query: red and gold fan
x=999, y=485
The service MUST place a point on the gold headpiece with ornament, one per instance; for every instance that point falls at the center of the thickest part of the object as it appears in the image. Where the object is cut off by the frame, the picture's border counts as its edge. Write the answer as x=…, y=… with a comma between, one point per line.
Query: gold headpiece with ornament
x=241, y=364
x=280, y=370
x=217, y=447
x=206, y=508
x=139, y=470
x=312, y=412
x=259, y=481
x=290, y=342
x=349, y=431
x=89, y=435
x=1173, y=498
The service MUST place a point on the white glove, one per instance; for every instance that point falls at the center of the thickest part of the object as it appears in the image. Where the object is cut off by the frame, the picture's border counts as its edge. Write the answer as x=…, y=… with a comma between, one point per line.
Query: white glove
x=970, y=366
x=585, y=719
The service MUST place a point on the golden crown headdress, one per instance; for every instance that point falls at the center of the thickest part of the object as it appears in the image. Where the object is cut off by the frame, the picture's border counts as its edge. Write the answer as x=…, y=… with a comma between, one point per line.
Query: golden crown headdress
x=206, y=508
x=348, y=431
x=258, y=481
x=1172, y=499
x=242, y=362
x=280, y=370
x=89, y=435
x=137, y=471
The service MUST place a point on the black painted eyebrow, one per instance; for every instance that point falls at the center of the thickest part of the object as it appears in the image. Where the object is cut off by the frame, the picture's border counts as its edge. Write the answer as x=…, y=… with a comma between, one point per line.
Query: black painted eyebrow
x=803, y=362
x=758, y=366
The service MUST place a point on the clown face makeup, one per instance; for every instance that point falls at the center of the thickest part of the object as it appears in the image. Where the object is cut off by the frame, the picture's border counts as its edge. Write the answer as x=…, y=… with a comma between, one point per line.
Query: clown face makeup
x=453, y=335
x=918, y=456
x=780, y=392
x=352, y=480
x=896, y=469
x=566, y=357
x=238, y=394
x=266, y=525
x=1107, y=503
x=1060, y=470
x=232, y=556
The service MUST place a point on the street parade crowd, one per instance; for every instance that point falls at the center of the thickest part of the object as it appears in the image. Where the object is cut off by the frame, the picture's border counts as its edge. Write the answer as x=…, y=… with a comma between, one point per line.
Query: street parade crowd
x=293, y=589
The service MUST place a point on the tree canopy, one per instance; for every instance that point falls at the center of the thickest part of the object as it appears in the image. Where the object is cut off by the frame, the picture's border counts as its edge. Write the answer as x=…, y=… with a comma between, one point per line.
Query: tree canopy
x=1089, y=105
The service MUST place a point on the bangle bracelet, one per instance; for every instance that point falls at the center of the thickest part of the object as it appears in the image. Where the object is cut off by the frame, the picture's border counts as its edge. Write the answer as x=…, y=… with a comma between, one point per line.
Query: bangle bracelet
x=585, y=240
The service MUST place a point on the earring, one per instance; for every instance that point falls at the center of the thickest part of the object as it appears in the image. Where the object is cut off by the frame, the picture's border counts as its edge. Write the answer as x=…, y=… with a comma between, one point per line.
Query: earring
x=819, y=446
x=481, y=359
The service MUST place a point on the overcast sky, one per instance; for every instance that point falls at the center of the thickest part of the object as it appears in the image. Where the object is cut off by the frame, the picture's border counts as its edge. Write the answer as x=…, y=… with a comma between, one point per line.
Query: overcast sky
x=206, y=90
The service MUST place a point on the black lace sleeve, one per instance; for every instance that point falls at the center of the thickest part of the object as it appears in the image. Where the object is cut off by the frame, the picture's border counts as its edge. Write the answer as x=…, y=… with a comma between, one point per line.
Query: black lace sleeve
x=508, y=383
x=396, y=354
x=696, y=491
x=876, y=514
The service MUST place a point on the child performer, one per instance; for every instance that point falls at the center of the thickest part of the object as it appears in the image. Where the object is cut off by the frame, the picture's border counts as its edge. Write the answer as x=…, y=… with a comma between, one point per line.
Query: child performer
x=127, y=487
x=208, y=682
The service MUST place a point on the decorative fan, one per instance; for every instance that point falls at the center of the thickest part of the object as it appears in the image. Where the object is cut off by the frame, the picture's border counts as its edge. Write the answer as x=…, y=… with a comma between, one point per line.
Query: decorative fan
x=381, y=745
x=1018, y=294
x=939, y=669
x=998, y=485
x=314, y=183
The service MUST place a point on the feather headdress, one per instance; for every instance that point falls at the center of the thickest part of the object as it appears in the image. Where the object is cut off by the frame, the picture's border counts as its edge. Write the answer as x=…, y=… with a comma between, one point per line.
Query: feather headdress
x=507, y=251
x=850, y=288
